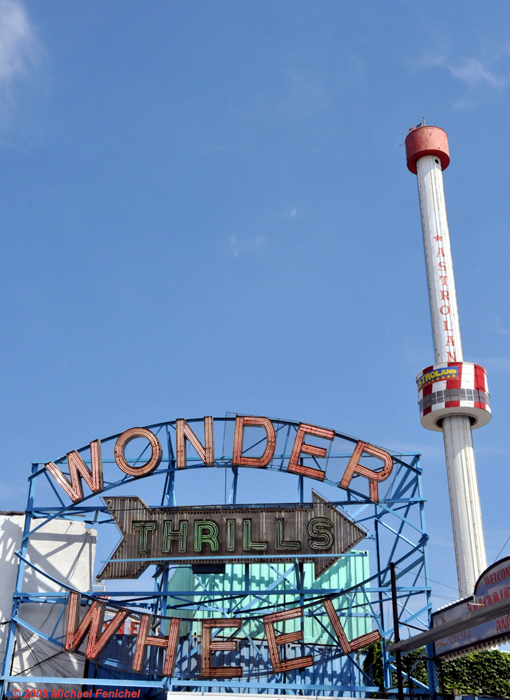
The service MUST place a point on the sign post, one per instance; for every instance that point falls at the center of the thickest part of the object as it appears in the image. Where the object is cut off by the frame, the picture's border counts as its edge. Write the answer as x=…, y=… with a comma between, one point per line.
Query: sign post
x=396, y=631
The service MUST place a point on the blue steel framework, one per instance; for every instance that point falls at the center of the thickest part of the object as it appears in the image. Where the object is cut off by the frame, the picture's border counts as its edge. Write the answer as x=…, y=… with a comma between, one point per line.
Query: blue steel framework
x=395, y=532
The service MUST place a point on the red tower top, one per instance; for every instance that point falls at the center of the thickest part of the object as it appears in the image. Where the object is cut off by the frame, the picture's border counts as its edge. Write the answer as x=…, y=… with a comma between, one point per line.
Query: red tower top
x=427, y=141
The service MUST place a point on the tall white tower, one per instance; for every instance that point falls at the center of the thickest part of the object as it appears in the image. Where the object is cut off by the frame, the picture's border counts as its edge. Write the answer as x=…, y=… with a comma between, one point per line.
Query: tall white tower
x=453, y=395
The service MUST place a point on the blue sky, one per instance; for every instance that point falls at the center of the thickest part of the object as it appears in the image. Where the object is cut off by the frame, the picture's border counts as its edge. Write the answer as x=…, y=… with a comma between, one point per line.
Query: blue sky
x=206, y=209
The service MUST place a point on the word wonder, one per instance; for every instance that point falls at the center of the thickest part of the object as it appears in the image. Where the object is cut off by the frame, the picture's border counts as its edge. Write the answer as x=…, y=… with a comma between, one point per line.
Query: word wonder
x=93, y=476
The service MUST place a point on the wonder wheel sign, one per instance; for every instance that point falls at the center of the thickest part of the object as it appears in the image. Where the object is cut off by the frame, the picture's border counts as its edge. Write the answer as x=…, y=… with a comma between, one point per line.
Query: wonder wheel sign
x=124, y=581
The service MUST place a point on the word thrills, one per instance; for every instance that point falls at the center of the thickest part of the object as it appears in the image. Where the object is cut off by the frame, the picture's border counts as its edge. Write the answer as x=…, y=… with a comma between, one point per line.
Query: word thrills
x=227, y=534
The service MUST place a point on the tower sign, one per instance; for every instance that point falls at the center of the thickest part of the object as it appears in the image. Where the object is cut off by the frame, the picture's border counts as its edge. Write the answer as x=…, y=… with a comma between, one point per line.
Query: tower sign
x=453, y=394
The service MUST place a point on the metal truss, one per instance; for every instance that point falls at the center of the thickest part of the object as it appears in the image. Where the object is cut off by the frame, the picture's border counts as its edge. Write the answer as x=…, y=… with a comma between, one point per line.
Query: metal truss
x=395, y=529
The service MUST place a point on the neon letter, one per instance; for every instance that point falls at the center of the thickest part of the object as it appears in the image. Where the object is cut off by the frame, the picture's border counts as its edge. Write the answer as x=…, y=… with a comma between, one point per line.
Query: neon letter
x=144, y=529
x=206, y=531
x=93, y=478
x=274, y=641
x=184, y=433
x=237, y=458
x=300, y=446
x=94, y=619
x=319, y=529
x=180, y=535
x=149, y=466
x=168, y=643
x=373, y=477
x=279, y=538
x=209, y=646
x=345, y=644
x=231, y=535
x=247, y=543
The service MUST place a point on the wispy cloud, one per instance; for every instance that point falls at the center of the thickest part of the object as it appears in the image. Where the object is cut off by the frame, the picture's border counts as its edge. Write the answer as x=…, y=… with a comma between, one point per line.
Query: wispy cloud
x=432, y=59
x=20, y=52
x=18, y=43
x=240, y=246
x=235, y=246
x=289, y=213
x=473, y=72
x=463, y=104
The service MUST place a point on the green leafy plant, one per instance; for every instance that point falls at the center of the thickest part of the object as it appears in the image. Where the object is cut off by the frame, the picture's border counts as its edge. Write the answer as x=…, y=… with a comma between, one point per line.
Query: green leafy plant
x=484, y=673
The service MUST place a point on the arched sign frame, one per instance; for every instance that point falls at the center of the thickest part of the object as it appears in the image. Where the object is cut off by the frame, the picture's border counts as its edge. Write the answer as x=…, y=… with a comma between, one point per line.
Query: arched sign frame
x=390, y=509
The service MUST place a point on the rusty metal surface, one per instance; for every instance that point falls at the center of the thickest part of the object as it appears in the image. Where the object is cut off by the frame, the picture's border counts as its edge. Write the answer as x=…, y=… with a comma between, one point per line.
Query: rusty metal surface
x=305, y=459
x=209, y=645
x=348, y=646
x=94, y=618
x=274, y=641
x=185, y=433
x=329, y=668
x=143, y=469
x=337, y=626
x=77, y=467
x=157, y=535
x=144, y=640
x=301, y=447
x=290, y=637
x=365, y=640
x=237, y=455
x=374, y=478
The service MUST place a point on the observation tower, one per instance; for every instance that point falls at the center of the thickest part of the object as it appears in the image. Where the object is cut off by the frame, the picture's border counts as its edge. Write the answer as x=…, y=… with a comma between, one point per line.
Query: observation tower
x=453, y=395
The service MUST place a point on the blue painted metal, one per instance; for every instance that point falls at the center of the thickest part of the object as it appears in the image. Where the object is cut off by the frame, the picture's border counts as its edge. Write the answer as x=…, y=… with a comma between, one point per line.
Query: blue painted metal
x=11, y=634
x=396, y=532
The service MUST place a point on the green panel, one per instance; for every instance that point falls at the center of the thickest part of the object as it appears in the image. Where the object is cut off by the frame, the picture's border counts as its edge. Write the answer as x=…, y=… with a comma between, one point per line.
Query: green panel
x=344, y=573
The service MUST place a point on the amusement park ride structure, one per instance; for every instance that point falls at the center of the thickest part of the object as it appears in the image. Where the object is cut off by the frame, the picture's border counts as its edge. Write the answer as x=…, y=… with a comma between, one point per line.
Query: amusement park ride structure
x=267, y=629
x=453, y=394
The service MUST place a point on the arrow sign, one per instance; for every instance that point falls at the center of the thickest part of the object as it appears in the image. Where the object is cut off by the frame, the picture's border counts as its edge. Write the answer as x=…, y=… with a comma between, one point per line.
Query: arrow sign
x=227, y=534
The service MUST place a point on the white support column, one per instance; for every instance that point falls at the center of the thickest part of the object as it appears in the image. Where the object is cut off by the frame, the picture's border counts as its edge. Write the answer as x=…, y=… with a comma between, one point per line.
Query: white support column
x=453, y=394
x=438, y=257
x=464, y=502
